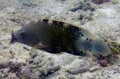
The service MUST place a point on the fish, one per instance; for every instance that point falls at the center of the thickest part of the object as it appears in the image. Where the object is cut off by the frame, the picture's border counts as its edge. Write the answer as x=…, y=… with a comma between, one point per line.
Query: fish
x=56, y=36
x=100, y=1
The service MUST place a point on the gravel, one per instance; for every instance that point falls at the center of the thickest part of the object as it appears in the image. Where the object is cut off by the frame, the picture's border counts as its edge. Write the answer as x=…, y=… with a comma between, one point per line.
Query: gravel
x=18, y=61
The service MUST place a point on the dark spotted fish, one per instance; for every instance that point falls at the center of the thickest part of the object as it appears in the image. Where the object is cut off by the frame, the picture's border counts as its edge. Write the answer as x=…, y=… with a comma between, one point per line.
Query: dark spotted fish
x=56, y=36
x=100, y=1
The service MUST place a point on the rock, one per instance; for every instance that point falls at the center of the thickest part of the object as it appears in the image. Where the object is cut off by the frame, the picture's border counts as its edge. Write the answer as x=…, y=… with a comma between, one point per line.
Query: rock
x=66, y=59
x=5, y=71
x=33, y=54
x=49, y=70
x=78, y=66
x=94, y=68
x=37, y=60
x=77, y=70
x=26, y=72
x=69, y=76
x=103, y=62
x=15, y=66
x=27, y=47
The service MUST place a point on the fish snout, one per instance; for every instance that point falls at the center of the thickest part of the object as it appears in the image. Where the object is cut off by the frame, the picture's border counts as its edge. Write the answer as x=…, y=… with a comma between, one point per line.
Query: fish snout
x=13, y=38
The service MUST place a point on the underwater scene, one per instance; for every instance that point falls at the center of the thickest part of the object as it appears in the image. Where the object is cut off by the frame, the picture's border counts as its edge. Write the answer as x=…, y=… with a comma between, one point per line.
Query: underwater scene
x=59, y=39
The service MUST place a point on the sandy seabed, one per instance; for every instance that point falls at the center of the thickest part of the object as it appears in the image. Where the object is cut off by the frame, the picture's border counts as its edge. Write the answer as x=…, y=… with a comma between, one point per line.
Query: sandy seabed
x=18, y=62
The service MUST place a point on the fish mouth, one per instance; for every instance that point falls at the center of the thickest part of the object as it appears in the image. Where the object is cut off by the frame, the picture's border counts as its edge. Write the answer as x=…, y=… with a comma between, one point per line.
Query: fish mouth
x=13, y=38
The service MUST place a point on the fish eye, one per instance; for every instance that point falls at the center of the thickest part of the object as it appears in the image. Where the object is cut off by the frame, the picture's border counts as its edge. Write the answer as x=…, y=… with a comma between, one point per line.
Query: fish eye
x=22, y=34
x=82, y=34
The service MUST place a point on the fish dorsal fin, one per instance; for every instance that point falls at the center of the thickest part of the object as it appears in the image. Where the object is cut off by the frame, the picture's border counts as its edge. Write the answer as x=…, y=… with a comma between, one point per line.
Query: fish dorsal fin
x=40, y=24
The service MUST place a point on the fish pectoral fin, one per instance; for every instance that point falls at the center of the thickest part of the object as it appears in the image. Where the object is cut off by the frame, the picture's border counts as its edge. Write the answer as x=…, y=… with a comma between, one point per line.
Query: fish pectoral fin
x=60, y=53
x=40, y=46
